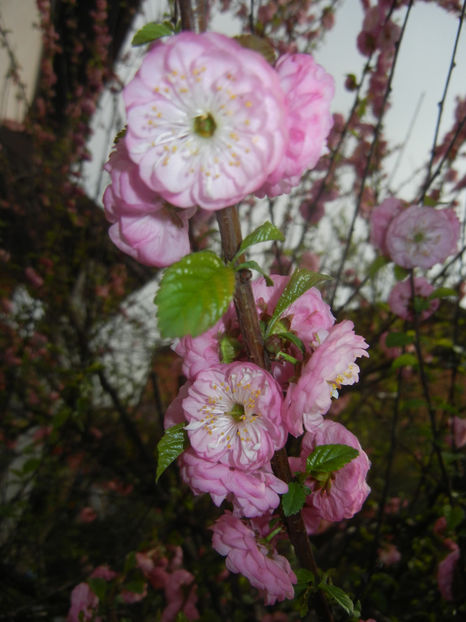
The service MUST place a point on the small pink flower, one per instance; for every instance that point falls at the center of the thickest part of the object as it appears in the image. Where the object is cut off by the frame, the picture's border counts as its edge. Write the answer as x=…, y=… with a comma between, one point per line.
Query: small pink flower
x=83, y=604
x=252, y=493
x=345, y=491
x=234, y=415
x=265, y=569
x=330, y=367
x=400, y=298
x=445, y=574
x=458, y=426
x=309, y=90
x=87, y=515
x=144, y=226
x=381, y=217
x=206, y=120
x=389, y=555
x=422, y=236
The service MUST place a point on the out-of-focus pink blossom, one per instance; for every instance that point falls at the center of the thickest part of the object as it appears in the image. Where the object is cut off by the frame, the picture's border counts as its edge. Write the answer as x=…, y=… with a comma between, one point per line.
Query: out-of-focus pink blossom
x=310, y=261
x=400, y=298
x=144, y=226
x=35, y=279
x=234, y=415
x=330, y=367
x=252, y=493
x=206, y=120
x=381, y=217
x=422, y=236
x=87, y=515
x=389, y=555
x=83, y=604
x=445, y=574
x=458, y=426
x=345, y=491
x=134, y=597
x=309, y=91
x=266, y=570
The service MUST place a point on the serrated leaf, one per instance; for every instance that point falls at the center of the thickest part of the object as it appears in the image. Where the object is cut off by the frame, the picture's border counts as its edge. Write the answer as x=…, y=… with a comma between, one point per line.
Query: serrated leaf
x=330, y=458
x=170, y=446
x=258, y=44
x=398, y=339
x=265, y=233
x=98, y=586
x=378, y=263
x=301, y=280
x=151, y=32
x=253, y=265
x=294, y=499
x=404, y=360
x=194, y=293
x=339, y=596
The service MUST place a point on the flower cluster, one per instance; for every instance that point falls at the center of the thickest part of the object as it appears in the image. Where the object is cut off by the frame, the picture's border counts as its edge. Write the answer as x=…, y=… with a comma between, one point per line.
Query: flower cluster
x=238, y=415
x=209, y=122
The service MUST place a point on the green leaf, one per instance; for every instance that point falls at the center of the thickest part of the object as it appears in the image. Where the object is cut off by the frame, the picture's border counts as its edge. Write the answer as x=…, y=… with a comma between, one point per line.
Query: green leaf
x=294, y=499
x=404, y=360
x=98, y=586
x=454, y=516
x=301, y=280
x=400, y=273
x=136, y=586
x=398, y=339
x=339, y=596
x=330, y=458
x=442, y=292
x=378, y=263
x=293, y=338
x=287, y=357
x=253, y=265
x=170, y=446
x=151, y=32
x=265, y=233
x=194, y=293
x=230, y=347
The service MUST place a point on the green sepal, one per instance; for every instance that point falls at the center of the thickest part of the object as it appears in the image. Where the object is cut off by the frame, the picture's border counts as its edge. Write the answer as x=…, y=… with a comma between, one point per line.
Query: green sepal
x=301, y=280
x=151, y=32
x=230, y=347
x=170, y=446
x=253, y=265
x=267, y=232
x=294, y=499
x=194, y=293
x=329, y=458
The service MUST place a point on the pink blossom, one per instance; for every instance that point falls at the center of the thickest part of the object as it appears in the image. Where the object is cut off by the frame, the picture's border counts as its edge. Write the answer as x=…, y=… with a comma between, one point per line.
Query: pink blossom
x=389, y=555
x=309, y=90
x=446, y=572
x=206, y=120
x=458, y=426
x=400, y=298
x=144, y=226
x=83, y=604
x=180, y=582
x=234, y=415
x=422, y=236
x=265, y=569
x=381, y=217
x=345, y=491
x=252, y=493
x=330, y=367
x=87, y=515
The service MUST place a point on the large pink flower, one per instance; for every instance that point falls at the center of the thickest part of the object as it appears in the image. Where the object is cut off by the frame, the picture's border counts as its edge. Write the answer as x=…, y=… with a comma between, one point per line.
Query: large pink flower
x=252, y=493
x=422, y=236
x=266, y=570
x=330, y=367
x=206, y=120
x=234, y=415
x=309, y=90
x=381, y=217
x=400, y=298
x=344, y=493
x=144, y=226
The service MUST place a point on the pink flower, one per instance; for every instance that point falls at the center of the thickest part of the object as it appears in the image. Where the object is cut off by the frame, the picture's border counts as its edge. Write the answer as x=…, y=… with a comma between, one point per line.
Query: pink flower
x=458, y=426
x=83, y=604
x=446, y=572
x=330, y=367
x=344, y=492
x=381, y=217
x=234, y=415
x=388, y=554
x=252, y=493
x=266, y=570
x=206, y=120
x=422, y=236
x=400, y=299
x=144, y=226
x=309, y=90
